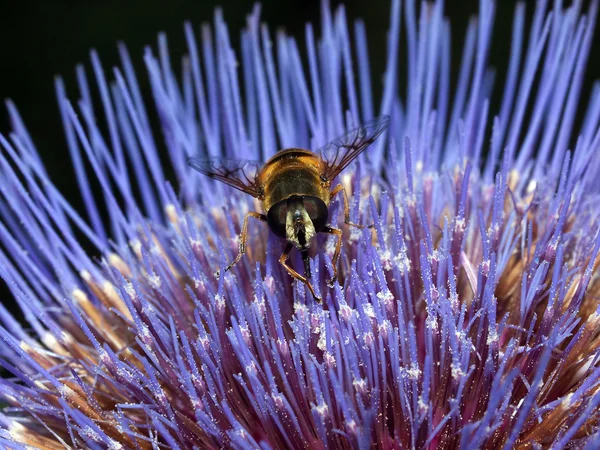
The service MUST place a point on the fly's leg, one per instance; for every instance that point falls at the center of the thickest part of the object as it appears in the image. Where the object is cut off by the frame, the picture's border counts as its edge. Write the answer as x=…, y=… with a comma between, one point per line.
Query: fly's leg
x=336, y=254
x=336, y=190
x=283, y=261
x=243, y=238
x=306, y=261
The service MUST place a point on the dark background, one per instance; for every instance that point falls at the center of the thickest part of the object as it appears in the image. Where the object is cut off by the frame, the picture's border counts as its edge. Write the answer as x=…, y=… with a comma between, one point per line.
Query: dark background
x=42, y=38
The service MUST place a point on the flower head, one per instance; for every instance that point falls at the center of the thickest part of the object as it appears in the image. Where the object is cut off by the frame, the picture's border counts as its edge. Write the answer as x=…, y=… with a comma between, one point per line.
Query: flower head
x=467, y=318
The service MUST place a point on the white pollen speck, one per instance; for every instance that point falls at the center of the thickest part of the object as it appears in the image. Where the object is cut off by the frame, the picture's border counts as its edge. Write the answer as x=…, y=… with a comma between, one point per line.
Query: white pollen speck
x=204, y=342
x=369, y=310
x=301, y=310
x=402, y=261
x=251, y=368
x=369, y=338
x=414, y=372
x=130, y=289
x=567, y=400
x=322, y=342
x=278, y=399
x=457, y=372
x=492, y=337
x=90, y=433
x=360, y=385
x=386, y=297
x=329, y=360
x=220, y=302
x=386, y=259
x=114, y=445
x=155, y=281
x=434, y=256
x=346, y=312
x=270, y=283
x=432, y=323
x=355, y=234
x=322, y=409
x=385, y=328
x=351, y=426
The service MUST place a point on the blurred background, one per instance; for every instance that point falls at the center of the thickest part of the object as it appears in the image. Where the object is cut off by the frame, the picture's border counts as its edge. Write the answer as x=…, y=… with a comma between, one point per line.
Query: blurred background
x=40, y=39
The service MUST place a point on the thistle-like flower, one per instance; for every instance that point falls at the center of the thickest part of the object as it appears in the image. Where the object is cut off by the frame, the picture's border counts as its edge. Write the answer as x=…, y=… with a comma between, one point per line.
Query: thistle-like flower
x=468, y=318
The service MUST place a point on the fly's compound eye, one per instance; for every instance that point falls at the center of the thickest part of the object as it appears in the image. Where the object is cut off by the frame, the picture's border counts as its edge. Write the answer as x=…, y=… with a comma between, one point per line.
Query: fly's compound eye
x=276, y=218
x=317, y=210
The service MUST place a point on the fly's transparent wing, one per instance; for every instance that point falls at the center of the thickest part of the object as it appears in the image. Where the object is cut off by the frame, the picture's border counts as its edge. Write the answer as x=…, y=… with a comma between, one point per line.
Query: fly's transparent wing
x=240, y=174
x=341, y=151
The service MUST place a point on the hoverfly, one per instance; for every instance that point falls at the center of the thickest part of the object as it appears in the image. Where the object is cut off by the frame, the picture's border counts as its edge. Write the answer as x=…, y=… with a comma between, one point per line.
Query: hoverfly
x=295, y=190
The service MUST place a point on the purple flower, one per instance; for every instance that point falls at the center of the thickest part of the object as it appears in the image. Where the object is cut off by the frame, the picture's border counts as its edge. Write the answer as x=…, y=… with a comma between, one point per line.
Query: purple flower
x=469, y=317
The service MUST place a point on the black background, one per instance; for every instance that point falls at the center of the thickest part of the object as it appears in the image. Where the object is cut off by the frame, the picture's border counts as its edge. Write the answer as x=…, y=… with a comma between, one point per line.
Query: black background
x=40, y=39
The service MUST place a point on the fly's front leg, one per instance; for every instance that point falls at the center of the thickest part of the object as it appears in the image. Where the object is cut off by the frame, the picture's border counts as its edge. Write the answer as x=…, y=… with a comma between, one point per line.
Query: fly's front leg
x=336, y=190
x=283, y=261
x=336, y=254
x=243, y=238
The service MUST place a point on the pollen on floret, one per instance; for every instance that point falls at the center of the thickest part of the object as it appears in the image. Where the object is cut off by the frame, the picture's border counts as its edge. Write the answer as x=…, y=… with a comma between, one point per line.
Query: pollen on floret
x=270, y=284
x=260, y=305
x=329, y=360
x=354, y=236
x=402, y=261
x=278, y=400
x=246, y=335
x=360, y=385
x=301, y=310
x=352, y=427
x=387, y=298
x=413, y=372
x=251, y=369
x=485, y=267
x=492, y=337
x=130, y=290
x=154, y=281
x=322, y=409
x=220, y=302
x=283, y=347
x=368, y=338
x=322, y=341
x=431, y=322
x=456, y=371
x=386, y=259
x=384, y=328
x=460, y=225
x=345, y=312
x=369, y=312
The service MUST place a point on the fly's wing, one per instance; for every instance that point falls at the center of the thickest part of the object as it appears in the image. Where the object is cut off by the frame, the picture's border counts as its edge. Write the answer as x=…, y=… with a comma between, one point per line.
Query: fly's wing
x=240, y=174
x=341, y=151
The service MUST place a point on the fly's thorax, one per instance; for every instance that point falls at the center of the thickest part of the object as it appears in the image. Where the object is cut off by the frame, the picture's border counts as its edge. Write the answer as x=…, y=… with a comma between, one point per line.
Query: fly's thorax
x=293, y=172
